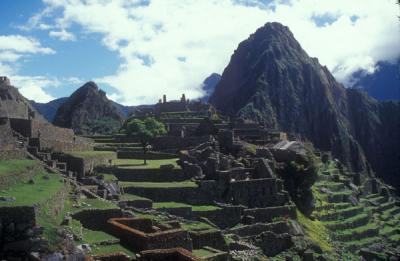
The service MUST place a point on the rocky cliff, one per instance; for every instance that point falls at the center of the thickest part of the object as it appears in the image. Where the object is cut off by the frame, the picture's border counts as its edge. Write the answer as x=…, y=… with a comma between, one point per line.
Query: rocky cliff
x=272, y=80
x=89, y=111
x=13, y=104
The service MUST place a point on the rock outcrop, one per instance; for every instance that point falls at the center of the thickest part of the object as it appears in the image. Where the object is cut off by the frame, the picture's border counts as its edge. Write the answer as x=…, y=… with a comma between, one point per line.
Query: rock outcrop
x=271, y=80
x=89, y=111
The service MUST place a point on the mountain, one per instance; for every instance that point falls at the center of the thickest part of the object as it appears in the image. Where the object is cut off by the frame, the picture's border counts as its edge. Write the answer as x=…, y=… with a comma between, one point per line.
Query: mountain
x=48, y=110
x=209, y=84
x=89, y=111
x=270, y=79
x=13, y=104
x=383, y=84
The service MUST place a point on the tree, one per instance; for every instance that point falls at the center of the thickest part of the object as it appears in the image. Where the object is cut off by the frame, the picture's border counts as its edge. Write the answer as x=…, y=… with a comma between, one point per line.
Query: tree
x=146, y=130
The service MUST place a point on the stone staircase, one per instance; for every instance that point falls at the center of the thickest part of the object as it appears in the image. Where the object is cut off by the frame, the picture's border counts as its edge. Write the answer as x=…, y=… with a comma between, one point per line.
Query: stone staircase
x=354, y=221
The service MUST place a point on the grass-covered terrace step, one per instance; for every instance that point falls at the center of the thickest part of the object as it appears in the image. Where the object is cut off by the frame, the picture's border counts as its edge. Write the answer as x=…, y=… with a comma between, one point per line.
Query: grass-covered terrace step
x=358, y=244
x=355, y=221
x=369, y=230
x=340, y=213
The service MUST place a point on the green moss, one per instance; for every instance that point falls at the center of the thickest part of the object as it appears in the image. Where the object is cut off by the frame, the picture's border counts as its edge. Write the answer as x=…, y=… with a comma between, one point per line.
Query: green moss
x=316, y=232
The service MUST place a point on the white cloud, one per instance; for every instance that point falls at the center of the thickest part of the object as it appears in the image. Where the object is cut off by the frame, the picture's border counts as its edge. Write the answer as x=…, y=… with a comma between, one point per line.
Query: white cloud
x=33, y=87
x=14, y=48
x=62, y=35
x=170, y=46
x=22, y=44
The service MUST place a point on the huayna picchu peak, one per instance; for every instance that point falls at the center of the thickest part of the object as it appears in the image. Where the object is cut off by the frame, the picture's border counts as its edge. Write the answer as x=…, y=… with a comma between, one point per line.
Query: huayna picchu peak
x=271, y=80
x=89, y=111
x=268, y=155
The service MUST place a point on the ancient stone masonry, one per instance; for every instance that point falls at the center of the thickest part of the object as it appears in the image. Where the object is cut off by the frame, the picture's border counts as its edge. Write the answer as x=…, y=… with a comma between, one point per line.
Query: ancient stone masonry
x=141, y=234
x=251, y=182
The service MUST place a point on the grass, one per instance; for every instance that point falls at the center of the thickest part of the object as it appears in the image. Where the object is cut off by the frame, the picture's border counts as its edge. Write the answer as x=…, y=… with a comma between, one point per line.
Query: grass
x=108, y=177
x=110, y=249
x=205, y=208
x=169, y=205
x=197, y=226
x=92, y=154
x=28, y=194
x=8, y=167
x=131, y=197
x=316, y=232
x=202, y=253
x=138, y=163
x=181, y=184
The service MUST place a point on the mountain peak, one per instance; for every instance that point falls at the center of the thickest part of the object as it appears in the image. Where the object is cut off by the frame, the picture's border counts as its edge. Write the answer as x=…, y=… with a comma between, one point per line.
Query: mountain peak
x=86, y=108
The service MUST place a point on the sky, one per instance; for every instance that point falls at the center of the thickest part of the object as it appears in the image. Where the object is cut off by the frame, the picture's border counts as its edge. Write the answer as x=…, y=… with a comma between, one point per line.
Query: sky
x=137, y=50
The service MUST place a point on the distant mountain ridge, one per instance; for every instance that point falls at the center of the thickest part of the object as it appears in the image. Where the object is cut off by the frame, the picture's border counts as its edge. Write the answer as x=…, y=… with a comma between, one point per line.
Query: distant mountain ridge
x=270, y=79
x=89, y=111
x=49, y=109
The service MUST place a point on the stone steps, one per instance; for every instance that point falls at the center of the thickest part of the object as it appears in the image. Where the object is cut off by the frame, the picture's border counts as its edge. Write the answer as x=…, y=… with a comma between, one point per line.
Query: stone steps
x=386, y=206
x=357, y=233
x=355, y=221
x=357, y=245
x=337, y=197
x=342, y=213
x=389, y=231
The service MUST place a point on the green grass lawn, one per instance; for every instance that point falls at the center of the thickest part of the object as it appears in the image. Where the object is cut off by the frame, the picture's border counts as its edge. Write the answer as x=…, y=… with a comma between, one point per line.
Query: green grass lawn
x=110, y=249
x=131, y=197
x=178, y=205
x=169, y=205
x=197, y=226
x=28, y=194
x=202, y=253
x=181, y=184
x=138, y=163
x=13, y=166
x=108, y=177
x=92, y=154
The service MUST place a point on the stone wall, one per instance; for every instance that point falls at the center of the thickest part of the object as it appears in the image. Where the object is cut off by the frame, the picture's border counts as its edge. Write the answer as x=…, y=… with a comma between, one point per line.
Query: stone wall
x=228, y=216
x=97, y=219
x=7, y=140
x=145, y=175
x=268, y=214
x=15, y=223
x=12, y=154
x=256, y=193
x=212, y=238
x=194, y=196
x=83, y=166
x=139, y=234
x=173, y=142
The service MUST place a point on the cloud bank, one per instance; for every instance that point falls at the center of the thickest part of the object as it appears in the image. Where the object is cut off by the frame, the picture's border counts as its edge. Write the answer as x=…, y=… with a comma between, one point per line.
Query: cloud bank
x=170, y=46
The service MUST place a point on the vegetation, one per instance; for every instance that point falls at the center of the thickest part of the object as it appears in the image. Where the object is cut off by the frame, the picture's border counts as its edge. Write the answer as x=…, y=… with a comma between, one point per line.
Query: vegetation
x=42, y=187
x=138, y=164
x=316, y=232
x=146, y=130
x=8, y=167
x=181, y=184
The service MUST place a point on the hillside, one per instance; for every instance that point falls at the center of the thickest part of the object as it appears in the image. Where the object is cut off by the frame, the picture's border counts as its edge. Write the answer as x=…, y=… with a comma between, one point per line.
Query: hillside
x=49, y=109
x=270, y=79
x=89, y=111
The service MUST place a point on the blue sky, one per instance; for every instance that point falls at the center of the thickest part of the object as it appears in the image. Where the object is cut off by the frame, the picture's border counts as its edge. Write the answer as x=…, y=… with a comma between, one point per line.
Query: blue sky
x=137, y=50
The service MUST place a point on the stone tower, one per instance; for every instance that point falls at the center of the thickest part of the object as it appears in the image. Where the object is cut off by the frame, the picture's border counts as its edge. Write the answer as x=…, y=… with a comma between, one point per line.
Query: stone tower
x=4, y=80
